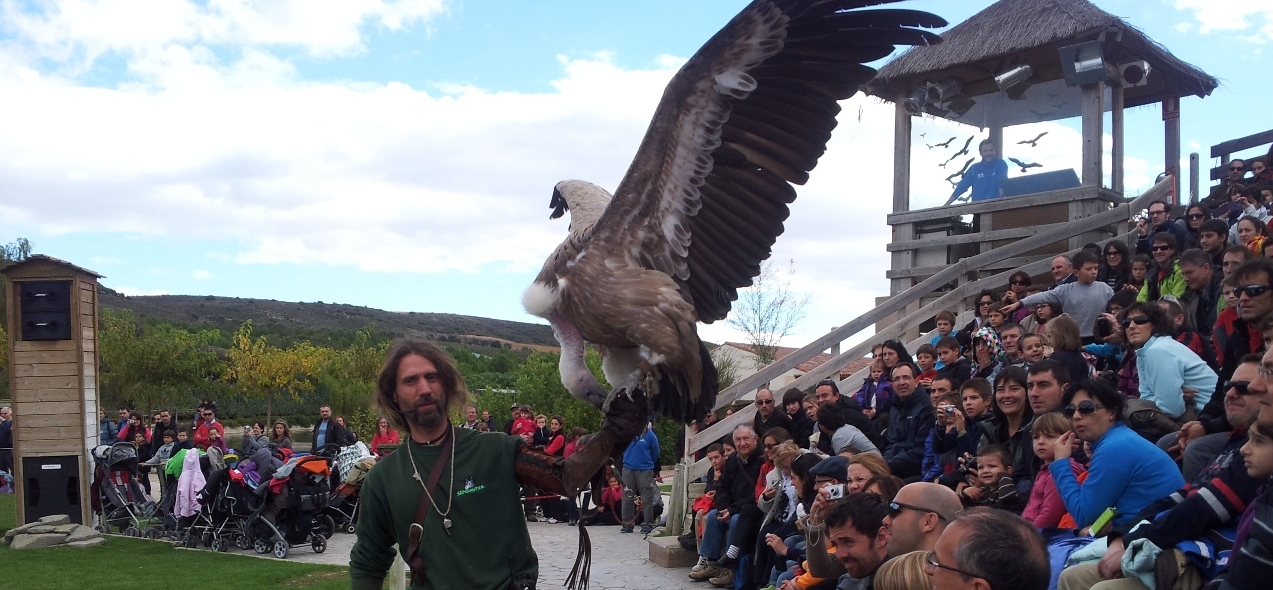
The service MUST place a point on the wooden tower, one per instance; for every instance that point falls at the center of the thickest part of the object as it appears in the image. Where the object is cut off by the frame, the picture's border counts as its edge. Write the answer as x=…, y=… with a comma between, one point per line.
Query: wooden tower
x=52, y=318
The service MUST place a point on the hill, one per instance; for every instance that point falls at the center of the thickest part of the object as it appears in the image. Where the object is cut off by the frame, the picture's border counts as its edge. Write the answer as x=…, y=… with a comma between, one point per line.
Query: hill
x=270, y=316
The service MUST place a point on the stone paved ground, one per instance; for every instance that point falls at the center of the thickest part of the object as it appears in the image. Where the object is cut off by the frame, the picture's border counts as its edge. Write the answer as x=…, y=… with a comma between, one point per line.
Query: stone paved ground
x=619, y=561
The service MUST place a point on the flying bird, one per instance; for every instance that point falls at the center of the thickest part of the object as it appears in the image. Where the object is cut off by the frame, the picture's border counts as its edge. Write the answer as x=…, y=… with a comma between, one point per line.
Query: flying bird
x=962, y=171
x=1032, y=142
x=1024, y=166
x=962, y=152
x=942, y=144
x=705, y=197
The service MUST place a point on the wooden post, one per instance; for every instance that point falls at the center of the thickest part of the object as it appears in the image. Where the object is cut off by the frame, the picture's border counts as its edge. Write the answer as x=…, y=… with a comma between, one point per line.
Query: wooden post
x=1116, y=152
x=1171, y=131
x=996, y=137
x=901, y=192
x=1093, y=123
x=1194, y=170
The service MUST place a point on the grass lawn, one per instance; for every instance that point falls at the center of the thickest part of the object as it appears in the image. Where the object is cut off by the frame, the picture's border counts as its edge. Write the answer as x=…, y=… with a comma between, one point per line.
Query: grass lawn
x=137, y=563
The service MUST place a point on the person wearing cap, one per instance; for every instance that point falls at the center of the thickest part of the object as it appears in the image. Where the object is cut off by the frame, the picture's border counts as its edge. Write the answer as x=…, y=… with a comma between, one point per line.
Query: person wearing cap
x=829, y=472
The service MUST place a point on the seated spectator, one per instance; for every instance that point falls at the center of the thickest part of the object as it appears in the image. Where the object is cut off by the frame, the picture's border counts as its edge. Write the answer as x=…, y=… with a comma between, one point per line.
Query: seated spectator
x=1067, y=346
x=910, y=419
x=987, y=353
x=1083, y=299
x=996, y=547
x=990, y=482
x=1019, y=283
x=862, y=469
x=903, y=572
x=926, y=359
x=1166, y=369
x=1195, y=216
x=1251, y=563
x=1164, y=276
x=956, y=367
x=1045, y=507
x=1126, y=472
x=1235, y=256
x=1213, y=238
x=961, y=431
x=1251, y=234
x=1158, y=223
x=1010, y=336
x=876, y=392
x=735, y=490
x=855, y=527
x=1235, y=178
x=945, y=321
x=1011, y=424
x=845, y=438
x=1062, y=271
x=1033, y=350
x=938, y=464
x=384, y=436
x=1202, y=300
x=1141, y=264
x=1116, y=267
x=985, y=300
x=607, y=510
x=1195, y=342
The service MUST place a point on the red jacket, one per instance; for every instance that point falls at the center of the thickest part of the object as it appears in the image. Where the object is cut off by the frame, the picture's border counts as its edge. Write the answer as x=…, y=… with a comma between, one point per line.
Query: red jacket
x=201, y=439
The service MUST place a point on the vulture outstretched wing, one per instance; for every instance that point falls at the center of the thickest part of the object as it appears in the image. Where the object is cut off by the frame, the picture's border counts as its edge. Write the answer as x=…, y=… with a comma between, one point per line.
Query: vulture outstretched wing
x=746, y=118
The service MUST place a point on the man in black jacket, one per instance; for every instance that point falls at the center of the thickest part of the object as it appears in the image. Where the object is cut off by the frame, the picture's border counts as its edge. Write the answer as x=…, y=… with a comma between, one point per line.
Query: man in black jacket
x=768, y=415
x=801, y=424
x=735, y=491
x=328, y=431
x=910, y=419
x=163, y=422
x=828, y=392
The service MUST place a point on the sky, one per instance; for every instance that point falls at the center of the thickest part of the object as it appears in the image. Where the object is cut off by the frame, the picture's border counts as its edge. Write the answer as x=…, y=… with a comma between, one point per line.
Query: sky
x=401, y=154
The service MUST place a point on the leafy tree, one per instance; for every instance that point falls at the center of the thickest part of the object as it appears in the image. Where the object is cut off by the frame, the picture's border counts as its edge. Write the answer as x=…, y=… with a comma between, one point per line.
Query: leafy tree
x=153, y=366
x=349, y=374
x=769, y=310
x=259, y=369
x=539, y=385
x=10, y=253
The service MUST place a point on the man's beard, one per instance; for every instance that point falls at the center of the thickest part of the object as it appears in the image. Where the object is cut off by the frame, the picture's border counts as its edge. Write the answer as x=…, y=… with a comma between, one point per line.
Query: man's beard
x=428, y=419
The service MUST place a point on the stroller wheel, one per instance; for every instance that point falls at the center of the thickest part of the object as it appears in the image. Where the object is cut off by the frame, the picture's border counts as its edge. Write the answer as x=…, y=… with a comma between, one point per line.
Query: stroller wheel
x=219, y=544
x=241, y=542
x=190, y=542
x=328, y=526
x=260, y=546
x=152, y=533
x=280, y=548
x=318, y=543
x=207, y=539
x=101, y=528
x=349, y=528
x=132, y=531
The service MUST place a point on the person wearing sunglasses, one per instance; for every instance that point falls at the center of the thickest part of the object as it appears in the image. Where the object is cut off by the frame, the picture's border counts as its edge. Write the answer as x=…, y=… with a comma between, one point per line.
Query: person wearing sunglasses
x=1219, y=194
x=208, y=422
x=1214, y=499
x=1116, y=265
x=1164, y=275
x=1083, y=299
x=1159, y=221
x=1166, y=369
x=1126, y=471
x=917, y=516
x=991, y=549
x=768, y=415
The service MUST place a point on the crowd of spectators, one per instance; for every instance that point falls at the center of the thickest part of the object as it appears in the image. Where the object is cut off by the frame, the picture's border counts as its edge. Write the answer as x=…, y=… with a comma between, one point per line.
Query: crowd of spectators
x=1111, y=429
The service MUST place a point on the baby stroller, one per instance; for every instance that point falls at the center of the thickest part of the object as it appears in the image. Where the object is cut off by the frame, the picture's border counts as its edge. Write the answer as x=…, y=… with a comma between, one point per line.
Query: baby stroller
x=118, y=499
x=291, y=513
x=343, y=505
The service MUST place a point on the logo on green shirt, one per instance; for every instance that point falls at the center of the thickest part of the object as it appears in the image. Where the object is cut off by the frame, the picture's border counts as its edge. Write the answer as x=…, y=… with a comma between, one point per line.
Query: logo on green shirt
x=470, y=487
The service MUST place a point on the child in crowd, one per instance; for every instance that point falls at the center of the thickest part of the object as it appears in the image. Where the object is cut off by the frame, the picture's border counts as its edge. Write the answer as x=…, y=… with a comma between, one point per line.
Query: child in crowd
x=867, y=395
x=995, y=318
x=1032, y=348
x=992, y=484
x=183, y=442
x=166, y=450
x=215, y=440
x=926, y=358
x=958, y=368
x=963, y=431
x=143, y=455
x=607, y=512
x=1140, y=268
x=1046, y=507
x=943, y=463
x=945, y=329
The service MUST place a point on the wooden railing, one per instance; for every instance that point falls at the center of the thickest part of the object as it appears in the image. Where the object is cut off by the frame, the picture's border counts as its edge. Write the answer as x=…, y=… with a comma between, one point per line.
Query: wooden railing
x=1119, y=213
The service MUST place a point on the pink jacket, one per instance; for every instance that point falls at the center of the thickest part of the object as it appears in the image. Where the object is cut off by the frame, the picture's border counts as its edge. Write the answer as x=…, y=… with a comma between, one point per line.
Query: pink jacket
x=1046, y=507
x=189, y=485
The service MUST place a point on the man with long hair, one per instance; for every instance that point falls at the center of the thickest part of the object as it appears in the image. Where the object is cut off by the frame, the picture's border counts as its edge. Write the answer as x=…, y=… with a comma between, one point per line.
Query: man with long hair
x=442, y=494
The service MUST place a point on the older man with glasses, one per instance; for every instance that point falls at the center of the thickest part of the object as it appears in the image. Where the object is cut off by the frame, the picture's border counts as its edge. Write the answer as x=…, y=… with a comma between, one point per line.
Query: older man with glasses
x=989, y=549
x=1159, y=222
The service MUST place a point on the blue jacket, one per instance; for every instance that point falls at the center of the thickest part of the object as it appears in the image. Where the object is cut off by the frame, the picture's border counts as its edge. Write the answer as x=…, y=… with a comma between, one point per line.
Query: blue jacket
x=983, y=177
x=1165, y=367
x=1127, y=473
x=107, y=432
x=642, y=452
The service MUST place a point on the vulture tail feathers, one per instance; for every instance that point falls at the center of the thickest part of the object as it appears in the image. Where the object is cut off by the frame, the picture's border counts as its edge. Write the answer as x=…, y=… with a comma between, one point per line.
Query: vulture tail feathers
x=676, y=401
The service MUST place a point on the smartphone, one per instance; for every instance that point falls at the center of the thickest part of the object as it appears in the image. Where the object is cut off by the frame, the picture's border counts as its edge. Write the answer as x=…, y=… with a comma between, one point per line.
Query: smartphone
x=1103, y=520
x=835, y=492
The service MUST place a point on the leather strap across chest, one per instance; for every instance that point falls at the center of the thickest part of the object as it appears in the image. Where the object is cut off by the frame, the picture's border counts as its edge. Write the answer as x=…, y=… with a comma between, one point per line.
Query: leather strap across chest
x=414, y=559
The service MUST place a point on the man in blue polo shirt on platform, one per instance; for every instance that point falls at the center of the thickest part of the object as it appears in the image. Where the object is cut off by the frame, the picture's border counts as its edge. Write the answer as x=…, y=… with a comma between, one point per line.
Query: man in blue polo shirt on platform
x=984, y=176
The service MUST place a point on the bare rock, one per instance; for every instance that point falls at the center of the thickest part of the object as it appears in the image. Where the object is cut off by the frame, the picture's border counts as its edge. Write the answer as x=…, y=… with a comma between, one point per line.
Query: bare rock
x=99, y=540
x=37, y=540
x=82, y=533
x=55, y=519
x=65, y=528
x=40, y=529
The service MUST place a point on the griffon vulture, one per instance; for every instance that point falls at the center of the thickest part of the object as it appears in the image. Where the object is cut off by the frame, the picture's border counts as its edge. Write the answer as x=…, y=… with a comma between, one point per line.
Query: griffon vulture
x=706, y=195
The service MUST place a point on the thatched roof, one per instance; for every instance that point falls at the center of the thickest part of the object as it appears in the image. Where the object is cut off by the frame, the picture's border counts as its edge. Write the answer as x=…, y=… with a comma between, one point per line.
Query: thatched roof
x=1011, y=32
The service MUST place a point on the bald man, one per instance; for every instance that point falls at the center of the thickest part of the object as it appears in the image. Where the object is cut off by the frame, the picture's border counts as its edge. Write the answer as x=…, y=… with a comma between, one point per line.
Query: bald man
x=918, y=515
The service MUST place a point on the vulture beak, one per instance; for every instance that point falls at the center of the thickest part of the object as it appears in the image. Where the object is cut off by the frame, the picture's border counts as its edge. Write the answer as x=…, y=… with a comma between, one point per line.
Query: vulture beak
x=558, y=205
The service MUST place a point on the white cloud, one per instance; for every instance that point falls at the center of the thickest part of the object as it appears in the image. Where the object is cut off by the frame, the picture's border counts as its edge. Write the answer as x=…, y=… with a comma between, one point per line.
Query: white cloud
x=202, y=275
x=1248, y=16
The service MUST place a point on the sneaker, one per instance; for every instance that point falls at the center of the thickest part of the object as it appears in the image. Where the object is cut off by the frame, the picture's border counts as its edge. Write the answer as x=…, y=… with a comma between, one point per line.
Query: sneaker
x=626, y=529
x=726, y=562
x=552, y=521
x=708, y=572
x=703, y=563
x=725, y=580
x=647, y=529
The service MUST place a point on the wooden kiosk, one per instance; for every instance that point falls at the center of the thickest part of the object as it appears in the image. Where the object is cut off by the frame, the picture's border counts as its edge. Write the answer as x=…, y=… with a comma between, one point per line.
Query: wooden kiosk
x=53, y=378
x=1016, y=62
